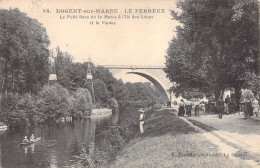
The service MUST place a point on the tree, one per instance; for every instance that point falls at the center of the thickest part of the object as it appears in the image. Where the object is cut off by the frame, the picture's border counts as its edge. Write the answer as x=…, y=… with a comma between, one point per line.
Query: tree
x=253, y=83
x=101, y=92
x=73, y=75
x=63, y=65
x=82, y=103
x=24, y=52
x=116, y=88
x=54, y=102
x=142, y=94
x=215, y=46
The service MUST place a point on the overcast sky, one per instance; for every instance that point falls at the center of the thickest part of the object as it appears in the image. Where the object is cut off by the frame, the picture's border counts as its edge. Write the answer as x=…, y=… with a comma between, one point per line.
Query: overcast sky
x=129, y=42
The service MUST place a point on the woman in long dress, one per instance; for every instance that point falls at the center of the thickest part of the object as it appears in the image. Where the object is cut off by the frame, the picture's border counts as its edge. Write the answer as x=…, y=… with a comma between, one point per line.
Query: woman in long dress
x=255, y=107
x=181, y=108
x=141, y=121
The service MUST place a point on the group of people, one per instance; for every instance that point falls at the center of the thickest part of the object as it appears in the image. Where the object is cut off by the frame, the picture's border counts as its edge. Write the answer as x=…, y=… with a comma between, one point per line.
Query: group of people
x=250, y=107
x=26, y=140
x=227, y=106
x=188, y=106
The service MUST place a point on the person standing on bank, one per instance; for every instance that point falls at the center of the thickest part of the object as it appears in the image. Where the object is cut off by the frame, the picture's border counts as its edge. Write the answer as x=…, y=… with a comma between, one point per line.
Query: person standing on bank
x=220, y=108
x=227, y=101
x=248, y=111
x=141, y=121
x=188, y=108
x=255, y=107
x=181, y=108
x=197, y=108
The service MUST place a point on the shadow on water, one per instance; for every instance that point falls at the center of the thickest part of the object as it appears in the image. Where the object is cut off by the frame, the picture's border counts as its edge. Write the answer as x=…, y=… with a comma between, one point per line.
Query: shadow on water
x=58, y=145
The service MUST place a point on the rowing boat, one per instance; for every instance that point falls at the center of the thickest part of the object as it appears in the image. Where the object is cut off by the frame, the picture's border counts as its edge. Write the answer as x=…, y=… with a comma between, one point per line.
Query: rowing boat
x=30, y=142
x=3, y=126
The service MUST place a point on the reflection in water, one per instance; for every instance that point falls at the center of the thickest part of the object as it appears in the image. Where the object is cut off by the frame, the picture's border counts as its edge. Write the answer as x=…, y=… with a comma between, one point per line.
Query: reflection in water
x=114, y=118
x=53, y=160
x=59, y=143
x=25, y=149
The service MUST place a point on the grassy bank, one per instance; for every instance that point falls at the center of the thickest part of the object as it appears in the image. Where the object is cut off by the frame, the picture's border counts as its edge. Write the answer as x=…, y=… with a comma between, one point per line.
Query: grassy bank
x=170, y=142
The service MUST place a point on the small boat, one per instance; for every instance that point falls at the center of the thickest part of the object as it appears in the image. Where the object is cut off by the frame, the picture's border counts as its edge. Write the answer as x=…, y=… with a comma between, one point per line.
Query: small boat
x=30, y=142
x=2, y=126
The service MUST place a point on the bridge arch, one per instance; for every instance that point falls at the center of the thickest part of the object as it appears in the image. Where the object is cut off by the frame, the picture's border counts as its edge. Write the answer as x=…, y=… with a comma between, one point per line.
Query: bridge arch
x=153, y=79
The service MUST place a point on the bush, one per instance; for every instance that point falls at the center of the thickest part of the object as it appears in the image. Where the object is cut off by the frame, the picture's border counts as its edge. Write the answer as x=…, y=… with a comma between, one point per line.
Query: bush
x=28, y=105
x=112, y=103
x=82, y=103
x=20, y=110
x=9, y=113
x=54, y=102
x=101, y=92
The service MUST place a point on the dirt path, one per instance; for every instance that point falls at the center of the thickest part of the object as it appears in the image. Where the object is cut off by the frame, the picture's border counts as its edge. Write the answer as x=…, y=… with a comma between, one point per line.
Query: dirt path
x=244, y=133
x=233, y=135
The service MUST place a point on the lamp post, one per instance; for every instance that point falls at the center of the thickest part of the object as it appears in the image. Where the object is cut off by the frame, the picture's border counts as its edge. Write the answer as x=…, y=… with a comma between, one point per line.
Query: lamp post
x=89, y=79
x=52, y=76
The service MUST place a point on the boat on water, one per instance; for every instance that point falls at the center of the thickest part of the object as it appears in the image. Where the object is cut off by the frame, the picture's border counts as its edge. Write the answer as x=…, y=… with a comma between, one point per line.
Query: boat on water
x=3, y=126
x=30, y=142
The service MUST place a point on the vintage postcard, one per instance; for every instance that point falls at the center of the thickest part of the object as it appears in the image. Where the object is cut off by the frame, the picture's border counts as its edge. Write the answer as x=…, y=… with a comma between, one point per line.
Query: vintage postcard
x=130, y=83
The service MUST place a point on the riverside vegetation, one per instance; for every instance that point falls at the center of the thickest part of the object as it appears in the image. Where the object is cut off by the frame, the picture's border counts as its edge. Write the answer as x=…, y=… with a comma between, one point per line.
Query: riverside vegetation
x=25, y=98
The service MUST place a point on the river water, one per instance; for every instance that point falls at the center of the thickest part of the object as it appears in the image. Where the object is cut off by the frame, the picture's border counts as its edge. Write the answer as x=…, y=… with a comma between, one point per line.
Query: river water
x=59, y=143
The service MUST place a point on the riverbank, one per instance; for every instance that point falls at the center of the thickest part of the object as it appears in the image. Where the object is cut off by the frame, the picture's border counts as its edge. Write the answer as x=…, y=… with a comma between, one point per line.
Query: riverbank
x=111, y=140
x=169, y=141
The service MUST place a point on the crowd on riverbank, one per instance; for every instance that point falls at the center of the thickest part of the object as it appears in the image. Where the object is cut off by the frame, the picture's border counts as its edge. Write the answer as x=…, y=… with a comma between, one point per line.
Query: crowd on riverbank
x=249, y=107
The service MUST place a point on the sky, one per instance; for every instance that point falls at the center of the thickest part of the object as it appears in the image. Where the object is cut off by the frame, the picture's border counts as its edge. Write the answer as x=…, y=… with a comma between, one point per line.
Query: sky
x=128, y=42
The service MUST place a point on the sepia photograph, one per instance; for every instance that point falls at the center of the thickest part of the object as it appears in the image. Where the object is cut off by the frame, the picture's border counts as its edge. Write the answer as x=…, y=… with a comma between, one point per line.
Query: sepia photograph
x=129, y=84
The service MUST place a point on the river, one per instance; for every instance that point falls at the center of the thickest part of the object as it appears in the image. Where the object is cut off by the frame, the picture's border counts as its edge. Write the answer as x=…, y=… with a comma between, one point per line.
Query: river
x=59, y=143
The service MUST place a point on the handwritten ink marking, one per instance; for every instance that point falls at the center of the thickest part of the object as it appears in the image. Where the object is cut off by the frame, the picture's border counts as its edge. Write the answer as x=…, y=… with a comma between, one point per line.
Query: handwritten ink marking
x=35, y=4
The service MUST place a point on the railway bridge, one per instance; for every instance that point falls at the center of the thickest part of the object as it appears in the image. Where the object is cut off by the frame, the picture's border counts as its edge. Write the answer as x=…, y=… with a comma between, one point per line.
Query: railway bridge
x=155, y=74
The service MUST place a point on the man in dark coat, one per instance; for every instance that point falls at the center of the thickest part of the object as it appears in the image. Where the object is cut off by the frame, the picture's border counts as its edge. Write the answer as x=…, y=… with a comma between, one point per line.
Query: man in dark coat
x=188, y=107
x=248, y=109
x=220, y=108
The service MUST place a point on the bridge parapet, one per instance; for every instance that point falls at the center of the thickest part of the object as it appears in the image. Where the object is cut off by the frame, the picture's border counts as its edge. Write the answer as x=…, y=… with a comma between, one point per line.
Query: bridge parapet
x=131, y=67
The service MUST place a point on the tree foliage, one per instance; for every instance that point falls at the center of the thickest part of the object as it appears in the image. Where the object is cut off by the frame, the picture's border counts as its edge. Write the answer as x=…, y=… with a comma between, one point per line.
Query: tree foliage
x=24, y=52
x=101, y=92
x=253, y=83
x=17, y=110
x=216, y=44
x=82, y=103
x=73, y=75
x=142, y=94
x=54, y=102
